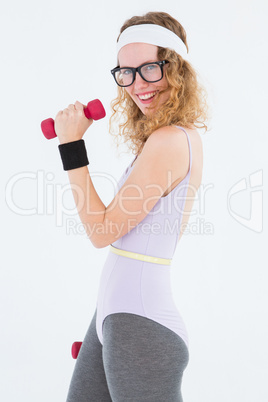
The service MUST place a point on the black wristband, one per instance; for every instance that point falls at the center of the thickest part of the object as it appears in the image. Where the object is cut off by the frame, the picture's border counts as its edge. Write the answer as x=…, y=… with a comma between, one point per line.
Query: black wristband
x=73, y=154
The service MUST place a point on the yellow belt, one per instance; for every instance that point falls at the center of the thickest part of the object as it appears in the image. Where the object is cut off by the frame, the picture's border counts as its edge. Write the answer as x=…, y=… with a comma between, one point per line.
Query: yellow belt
x=141, y=257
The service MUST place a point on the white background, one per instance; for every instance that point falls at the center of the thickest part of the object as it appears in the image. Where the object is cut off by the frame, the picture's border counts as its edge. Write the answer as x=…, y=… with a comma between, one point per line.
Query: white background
x=56, y=52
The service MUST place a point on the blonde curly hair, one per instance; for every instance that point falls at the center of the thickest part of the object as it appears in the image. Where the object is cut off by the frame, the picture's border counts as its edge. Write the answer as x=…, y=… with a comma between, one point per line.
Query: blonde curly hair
x=186, y=106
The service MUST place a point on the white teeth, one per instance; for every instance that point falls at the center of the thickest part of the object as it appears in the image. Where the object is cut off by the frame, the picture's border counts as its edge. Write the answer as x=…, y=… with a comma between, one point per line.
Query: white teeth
x=147, y=96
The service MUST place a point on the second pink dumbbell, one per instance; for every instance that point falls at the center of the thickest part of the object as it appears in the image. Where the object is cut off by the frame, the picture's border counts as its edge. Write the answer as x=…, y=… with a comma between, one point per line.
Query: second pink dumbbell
x=75, y=349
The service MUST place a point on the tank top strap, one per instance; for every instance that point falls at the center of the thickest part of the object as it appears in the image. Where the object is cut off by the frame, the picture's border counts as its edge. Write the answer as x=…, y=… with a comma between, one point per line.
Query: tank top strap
x=189, y=143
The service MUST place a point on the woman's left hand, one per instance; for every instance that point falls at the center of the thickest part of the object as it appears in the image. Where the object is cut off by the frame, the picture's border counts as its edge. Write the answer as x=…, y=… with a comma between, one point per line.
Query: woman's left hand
x=71, y=123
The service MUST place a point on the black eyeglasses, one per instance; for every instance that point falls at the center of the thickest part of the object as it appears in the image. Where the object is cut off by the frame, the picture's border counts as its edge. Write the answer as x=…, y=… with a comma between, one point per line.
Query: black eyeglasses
x=149, y=72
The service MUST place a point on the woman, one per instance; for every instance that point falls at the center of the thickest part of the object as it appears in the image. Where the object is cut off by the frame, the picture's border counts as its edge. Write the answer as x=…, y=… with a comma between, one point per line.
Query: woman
x=136, y=347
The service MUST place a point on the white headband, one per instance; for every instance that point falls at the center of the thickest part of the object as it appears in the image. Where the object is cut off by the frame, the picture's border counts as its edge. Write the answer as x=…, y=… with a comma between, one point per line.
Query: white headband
x=154, y=35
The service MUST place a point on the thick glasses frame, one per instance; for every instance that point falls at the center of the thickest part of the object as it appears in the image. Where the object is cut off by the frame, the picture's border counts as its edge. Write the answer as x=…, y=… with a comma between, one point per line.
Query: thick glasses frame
x=138, y=69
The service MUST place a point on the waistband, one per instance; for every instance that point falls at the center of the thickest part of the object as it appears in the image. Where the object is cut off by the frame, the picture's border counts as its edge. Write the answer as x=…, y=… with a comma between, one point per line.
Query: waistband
x=141, y=257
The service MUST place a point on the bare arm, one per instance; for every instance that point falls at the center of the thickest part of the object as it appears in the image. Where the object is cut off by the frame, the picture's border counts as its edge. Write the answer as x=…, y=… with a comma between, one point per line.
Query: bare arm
x=163, y=160
x=89, y=205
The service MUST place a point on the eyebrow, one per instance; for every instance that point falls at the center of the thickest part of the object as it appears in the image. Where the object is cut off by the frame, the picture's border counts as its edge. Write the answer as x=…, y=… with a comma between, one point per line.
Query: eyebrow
x=149, y=61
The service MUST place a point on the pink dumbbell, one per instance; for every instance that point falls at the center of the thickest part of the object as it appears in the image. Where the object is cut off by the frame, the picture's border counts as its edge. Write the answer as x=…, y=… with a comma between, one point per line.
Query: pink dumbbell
x=94, y=110
x=75, y=349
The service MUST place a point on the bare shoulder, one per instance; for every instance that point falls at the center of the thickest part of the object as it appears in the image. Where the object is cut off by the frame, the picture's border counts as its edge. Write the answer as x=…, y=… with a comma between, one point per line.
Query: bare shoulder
x=197, y=155
x=174, y=136
x=169, y=148
x=169, y=134
x=167, y=141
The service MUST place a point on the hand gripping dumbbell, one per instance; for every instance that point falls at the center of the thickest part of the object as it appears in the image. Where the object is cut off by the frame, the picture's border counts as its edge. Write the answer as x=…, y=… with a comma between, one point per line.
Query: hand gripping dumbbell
x=94, y=110
x=75, y=349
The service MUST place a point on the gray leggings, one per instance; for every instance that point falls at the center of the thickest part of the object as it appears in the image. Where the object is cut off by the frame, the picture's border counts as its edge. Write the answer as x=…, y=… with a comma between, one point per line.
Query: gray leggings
x=140, y=360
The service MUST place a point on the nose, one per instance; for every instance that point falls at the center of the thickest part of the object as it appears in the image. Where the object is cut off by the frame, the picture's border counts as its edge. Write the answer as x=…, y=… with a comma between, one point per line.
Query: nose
x=139, y=81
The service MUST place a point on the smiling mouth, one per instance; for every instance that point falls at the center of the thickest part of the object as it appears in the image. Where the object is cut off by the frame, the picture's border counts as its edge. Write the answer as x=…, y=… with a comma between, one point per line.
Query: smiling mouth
x=148, y=96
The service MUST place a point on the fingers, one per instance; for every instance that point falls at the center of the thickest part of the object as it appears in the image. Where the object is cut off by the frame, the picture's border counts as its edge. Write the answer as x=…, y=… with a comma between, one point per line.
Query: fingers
x=71, y=107
x=78, y=106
